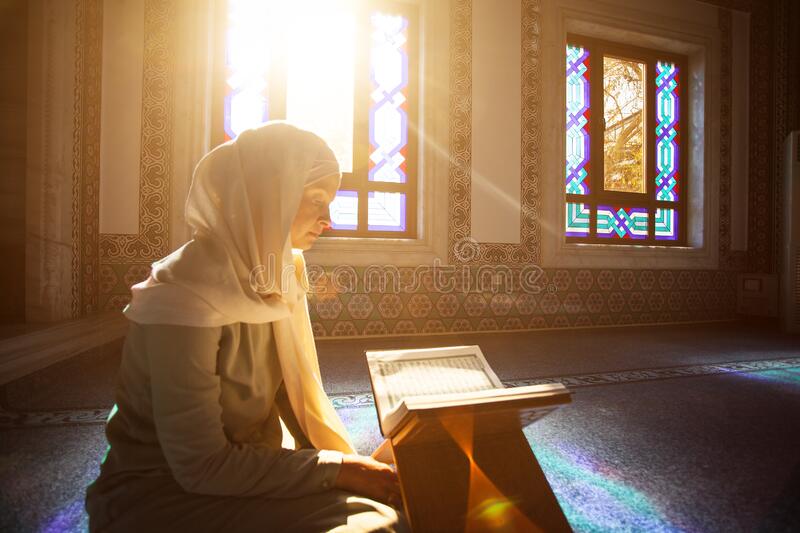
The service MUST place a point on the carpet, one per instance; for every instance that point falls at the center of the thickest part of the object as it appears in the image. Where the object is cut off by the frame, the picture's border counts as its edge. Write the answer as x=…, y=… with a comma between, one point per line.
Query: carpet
x=636, y=451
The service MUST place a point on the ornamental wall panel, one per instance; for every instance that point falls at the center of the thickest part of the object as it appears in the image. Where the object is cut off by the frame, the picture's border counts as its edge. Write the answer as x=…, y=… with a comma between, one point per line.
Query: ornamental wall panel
x=106, y=264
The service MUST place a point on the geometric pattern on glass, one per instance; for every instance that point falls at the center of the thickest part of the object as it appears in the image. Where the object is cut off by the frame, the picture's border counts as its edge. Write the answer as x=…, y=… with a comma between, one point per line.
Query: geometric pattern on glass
x=578, y=220
x=386, y=211
x=624, y=134
x=667, y=116
x=577, y=142
x=666, y=224
x=344, y=210
x=388, y=117
x=246, y=66
x=621, y=223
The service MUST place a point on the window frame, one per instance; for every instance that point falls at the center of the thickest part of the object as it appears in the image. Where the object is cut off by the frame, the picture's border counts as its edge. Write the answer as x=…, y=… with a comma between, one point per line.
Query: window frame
x=598, y=195
x=357, y=180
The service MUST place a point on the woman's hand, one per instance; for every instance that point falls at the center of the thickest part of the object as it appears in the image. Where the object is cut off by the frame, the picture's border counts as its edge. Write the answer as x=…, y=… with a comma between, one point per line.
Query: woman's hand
x=367, y=477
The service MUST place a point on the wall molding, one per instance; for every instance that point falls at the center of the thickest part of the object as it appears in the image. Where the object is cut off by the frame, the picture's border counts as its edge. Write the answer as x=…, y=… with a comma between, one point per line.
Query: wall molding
x=124, y=259
x=153, y=240
x=463, y=249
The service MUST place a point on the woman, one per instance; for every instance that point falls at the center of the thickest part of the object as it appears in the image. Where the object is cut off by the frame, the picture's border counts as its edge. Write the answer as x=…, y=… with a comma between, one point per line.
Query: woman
x=220, y=350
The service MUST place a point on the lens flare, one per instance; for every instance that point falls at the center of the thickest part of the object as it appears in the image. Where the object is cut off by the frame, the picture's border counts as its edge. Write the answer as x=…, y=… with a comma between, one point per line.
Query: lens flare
x=487, y=507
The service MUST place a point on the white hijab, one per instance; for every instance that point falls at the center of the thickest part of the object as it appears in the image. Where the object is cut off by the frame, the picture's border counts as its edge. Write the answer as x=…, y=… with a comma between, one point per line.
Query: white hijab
x=240, y=266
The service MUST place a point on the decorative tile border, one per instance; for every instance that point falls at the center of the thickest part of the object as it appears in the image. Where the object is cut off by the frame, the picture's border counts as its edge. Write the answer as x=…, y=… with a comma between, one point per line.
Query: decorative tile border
x=582, y=297
x=152, y=241
x=728, y=259
x=654, y=374
x=563, y=298
x=460, y=190
x=763, y=171
x=93, y=253
x=86, y=156
x=127, y=257
x=766, y=114
x=72, y=417
x=780, y=87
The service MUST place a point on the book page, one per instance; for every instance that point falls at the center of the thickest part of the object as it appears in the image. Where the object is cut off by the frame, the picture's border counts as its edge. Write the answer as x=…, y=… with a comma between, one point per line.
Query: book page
x=427, y=376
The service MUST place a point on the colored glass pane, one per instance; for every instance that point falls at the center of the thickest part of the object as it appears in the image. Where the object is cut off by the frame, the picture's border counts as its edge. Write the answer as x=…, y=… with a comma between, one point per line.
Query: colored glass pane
x=621, y=222
x=667, y=116
x=578, y=220
x=388, y=114
x=386, y=211
x=623, y=116
x=577, y=142
x=344, y=210
x=321, y=73
x=247, y=52
x=666, y=224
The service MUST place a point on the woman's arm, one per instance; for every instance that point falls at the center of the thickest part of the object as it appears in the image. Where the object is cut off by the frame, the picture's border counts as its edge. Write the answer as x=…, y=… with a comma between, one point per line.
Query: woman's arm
x=287, y=415
x=187, y=416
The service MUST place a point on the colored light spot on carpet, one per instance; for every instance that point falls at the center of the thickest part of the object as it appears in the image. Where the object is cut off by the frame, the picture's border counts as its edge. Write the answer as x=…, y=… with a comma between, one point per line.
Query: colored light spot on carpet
x=593, y=498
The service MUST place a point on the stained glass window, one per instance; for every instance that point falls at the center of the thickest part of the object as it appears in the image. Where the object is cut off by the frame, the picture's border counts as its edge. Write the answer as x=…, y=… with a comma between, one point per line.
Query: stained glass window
x=666, y=222
x=344, y=210
x=577, y=120
x=346, y=71
x=247, y=61
x=667, y=131
x=388, y=119
x=387, y=211
x=624, y=187
x=621, y=223
x=578, y=220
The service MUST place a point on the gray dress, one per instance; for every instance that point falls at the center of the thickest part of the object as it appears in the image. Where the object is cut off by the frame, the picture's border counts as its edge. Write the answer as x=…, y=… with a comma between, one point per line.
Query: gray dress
x=195, y=442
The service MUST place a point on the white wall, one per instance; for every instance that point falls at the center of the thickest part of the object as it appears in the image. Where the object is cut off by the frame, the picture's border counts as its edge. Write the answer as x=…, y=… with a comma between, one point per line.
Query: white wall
x=496, y=120
x=121, y=115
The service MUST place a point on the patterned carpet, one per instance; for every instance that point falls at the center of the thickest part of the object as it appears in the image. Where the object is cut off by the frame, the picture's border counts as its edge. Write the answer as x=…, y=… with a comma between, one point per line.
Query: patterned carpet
x=788, y=368
x=708, y=446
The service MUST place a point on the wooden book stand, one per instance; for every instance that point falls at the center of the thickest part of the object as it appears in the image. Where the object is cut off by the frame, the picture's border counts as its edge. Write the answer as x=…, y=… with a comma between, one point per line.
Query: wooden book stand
x=470, y=468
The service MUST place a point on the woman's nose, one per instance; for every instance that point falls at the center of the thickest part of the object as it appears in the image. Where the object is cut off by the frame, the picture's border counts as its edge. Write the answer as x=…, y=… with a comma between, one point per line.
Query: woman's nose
x=326, y=218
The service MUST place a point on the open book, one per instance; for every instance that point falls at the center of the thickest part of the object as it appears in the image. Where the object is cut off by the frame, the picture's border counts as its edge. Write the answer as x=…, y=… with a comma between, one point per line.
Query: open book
x=453, y=376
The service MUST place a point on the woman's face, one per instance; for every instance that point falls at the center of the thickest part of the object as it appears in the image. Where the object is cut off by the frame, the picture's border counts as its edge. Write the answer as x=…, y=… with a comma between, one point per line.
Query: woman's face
x=313, y=216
